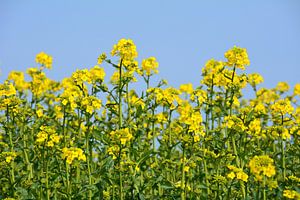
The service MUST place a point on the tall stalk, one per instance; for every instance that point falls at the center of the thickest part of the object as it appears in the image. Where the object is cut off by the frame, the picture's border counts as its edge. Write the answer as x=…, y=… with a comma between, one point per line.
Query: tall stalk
x=183, y=174
x=87, y=145
x=282, y=153
x=120, y=127
x=11, y=145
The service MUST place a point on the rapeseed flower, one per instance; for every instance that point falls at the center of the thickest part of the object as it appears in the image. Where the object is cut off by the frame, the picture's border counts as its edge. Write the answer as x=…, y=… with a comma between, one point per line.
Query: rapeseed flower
x=44, y=59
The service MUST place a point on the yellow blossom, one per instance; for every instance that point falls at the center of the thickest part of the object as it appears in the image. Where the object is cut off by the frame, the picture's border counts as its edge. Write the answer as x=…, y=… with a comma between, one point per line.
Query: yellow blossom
x=126, y=50
x=44, y=59
x=97, y=74
x=101, y=58
x=282, y=107
x=262, y=165
x=231, y=175
x=237, y=57
x=291, y=194
x=73, y=153
x=255, y=79
x=297, y=89
x=150, y=65
x=7, y=89
x=187, y=88
x=282, y=87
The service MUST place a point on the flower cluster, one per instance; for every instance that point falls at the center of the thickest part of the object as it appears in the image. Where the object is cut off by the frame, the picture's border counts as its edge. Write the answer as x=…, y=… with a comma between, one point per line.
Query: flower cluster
x=150, y=66
x=47, y=136
x=73, y=153
x=7, y=89
x=255, y=79
x=97, y=74
x=262, y=165
x=282, y=107
x=291, y=194
x=237, y=57
x=126, y=50
x=237, y=173
x=90, y=104
x=44, y=59
x=8, y=156
x=121, y=136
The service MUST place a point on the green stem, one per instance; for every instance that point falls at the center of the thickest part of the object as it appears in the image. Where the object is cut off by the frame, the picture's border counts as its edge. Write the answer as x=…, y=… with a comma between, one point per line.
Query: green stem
x=47, y=179
x=183, y=174
x=28, y=164
x=120, y=96
x=88, y=164
x=120, y=126
x=206, y=177
x=89, y=155
x=11, y=144
x=283, y=159
x=68, y=181
x=63, y=126
x=120, y=174
x=283, y=153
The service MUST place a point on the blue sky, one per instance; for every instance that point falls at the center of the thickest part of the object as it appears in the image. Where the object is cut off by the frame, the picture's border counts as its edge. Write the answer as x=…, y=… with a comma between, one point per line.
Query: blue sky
x=182, y=35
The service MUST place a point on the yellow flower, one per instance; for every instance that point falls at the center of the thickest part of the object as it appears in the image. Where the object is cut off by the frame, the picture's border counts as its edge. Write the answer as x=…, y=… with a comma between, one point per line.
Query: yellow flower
x=73, y=153
x=48, y=136
x=297, y=89
x=8, y=159
x=97, y=74
x=282, y=107
x=255, y=127
x=231, y=175
x=267, y=96
x=126, y=50
x=81, y=76
x=150, y=65
x=187, y=88
x=196, y=138
x=291, y=194
x=212, y=73
x=237, y=57
x=64, y=102
x=101, y=58
x=18, y=79
x=39, y=113
x=91, y=104
x=282, y=87
x=186, y=168
x=122, y=135
x=7, y=89
x=44, y=59
x=242, y=176
x=9, y=156
x=262, y=165
x=269, y=171
x=41, y=137
x=255, y=79
x=238, y=173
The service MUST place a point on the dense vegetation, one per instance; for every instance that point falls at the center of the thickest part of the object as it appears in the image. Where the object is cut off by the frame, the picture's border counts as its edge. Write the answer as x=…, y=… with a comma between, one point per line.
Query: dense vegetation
x=82, y=138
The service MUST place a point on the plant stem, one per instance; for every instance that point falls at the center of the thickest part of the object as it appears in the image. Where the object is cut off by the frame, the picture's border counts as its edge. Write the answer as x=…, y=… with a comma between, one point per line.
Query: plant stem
x=11, y=144
x=264, y=188
x=47, y=179
x=120, y=96
x=183, y=173
x=68, y=181
x=120, y=127
x=88, y=164
x=282, y=153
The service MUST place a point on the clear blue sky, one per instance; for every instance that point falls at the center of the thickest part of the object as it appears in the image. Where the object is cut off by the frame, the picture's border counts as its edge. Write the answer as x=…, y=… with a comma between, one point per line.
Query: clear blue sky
x=182, y=35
